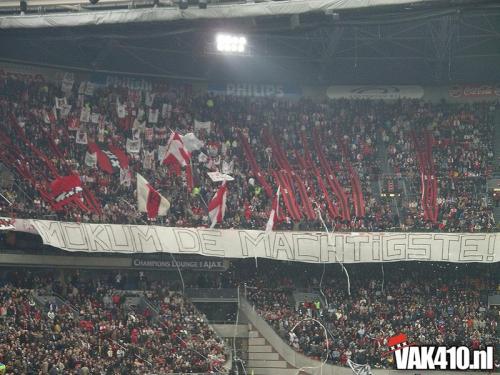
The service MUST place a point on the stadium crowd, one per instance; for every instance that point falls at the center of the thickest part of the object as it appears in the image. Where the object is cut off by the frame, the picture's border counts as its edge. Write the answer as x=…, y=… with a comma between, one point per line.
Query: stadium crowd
x=97, y=332
x=326, y=156
x=431, y=304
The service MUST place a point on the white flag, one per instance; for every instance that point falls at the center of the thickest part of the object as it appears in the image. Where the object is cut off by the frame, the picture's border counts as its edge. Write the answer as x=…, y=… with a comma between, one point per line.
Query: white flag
x=149, y=99
x=227, y=167
x=91, y=159
x=191, y=142
x=202, y=125
x=121, y=111
x=149, y=200
x=148, y=161
x=162, y=150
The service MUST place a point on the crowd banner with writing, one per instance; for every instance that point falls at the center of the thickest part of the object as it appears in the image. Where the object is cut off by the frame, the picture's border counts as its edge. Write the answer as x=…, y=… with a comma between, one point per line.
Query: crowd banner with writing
x=312, y=247
x=256, y=89
x=6, y=223
x=375, y=92
x=218, y=176
x=475, y=91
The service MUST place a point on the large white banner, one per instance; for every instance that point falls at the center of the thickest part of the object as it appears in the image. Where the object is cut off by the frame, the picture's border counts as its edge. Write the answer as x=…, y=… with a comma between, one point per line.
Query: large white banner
x=312, y=247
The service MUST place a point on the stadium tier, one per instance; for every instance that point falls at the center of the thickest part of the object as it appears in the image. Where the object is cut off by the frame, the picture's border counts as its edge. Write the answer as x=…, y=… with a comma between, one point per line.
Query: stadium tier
x=76, y=154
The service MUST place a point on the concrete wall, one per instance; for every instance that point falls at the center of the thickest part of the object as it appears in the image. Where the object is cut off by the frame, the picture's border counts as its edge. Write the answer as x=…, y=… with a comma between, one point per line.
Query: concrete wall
x=230, y=330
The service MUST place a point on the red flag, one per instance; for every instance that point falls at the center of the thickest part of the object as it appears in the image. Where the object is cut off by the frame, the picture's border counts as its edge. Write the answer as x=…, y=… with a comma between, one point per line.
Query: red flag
x=274, y=215
x=120, y=155
x=217, y=206
x=65, y=190
x=109, y=161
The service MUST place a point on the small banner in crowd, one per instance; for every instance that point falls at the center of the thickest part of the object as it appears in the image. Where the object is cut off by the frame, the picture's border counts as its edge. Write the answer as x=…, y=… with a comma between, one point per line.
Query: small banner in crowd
x=148, y=161
x=67, y=83
x=218, y=177
x=60, y=103
x=125, y=177
x=133, y=146
x=85, y=114
x=153, y=116
x=73, y=123
x=81, y=137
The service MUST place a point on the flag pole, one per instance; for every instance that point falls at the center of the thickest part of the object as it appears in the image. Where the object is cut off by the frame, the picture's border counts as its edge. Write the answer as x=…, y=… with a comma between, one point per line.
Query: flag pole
x=8, y=201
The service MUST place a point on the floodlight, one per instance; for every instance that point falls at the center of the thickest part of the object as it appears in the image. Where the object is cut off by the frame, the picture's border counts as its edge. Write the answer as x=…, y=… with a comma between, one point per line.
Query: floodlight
x=230, y=43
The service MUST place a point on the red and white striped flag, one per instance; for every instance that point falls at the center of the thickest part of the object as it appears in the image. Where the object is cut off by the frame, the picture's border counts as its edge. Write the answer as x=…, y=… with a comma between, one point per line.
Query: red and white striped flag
x=177, y=156
x=217, y=206
x=149, y=200
x=274, y=215
x=176, y=152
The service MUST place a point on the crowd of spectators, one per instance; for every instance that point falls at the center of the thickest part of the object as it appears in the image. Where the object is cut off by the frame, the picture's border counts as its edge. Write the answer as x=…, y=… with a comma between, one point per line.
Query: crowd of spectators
x=432, y=304
x=462, y=152
x=292, y=137
x=97, y=332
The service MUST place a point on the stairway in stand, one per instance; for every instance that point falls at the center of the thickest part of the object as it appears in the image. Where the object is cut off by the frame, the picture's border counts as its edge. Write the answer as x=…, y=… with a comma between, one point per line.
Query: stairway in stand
x=263, y=359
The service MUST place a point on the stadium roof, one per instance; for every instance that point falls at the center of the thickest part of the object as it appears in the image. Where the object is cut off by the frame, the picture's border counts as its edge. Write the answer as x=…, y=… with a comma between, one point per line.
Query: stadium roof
x=422, y=42
x=71, y=13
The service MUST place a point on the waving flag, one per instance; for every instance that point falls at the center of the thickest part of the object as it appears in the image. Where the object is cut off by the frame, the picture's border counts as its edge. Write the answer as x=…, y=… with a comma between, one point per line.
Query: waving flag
x=111, y=160
x=217, y=206
x=176, y=152
x=149, y=200
x=66, y=190
x=191, y=142
x=177, y=157
x=273, y=217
